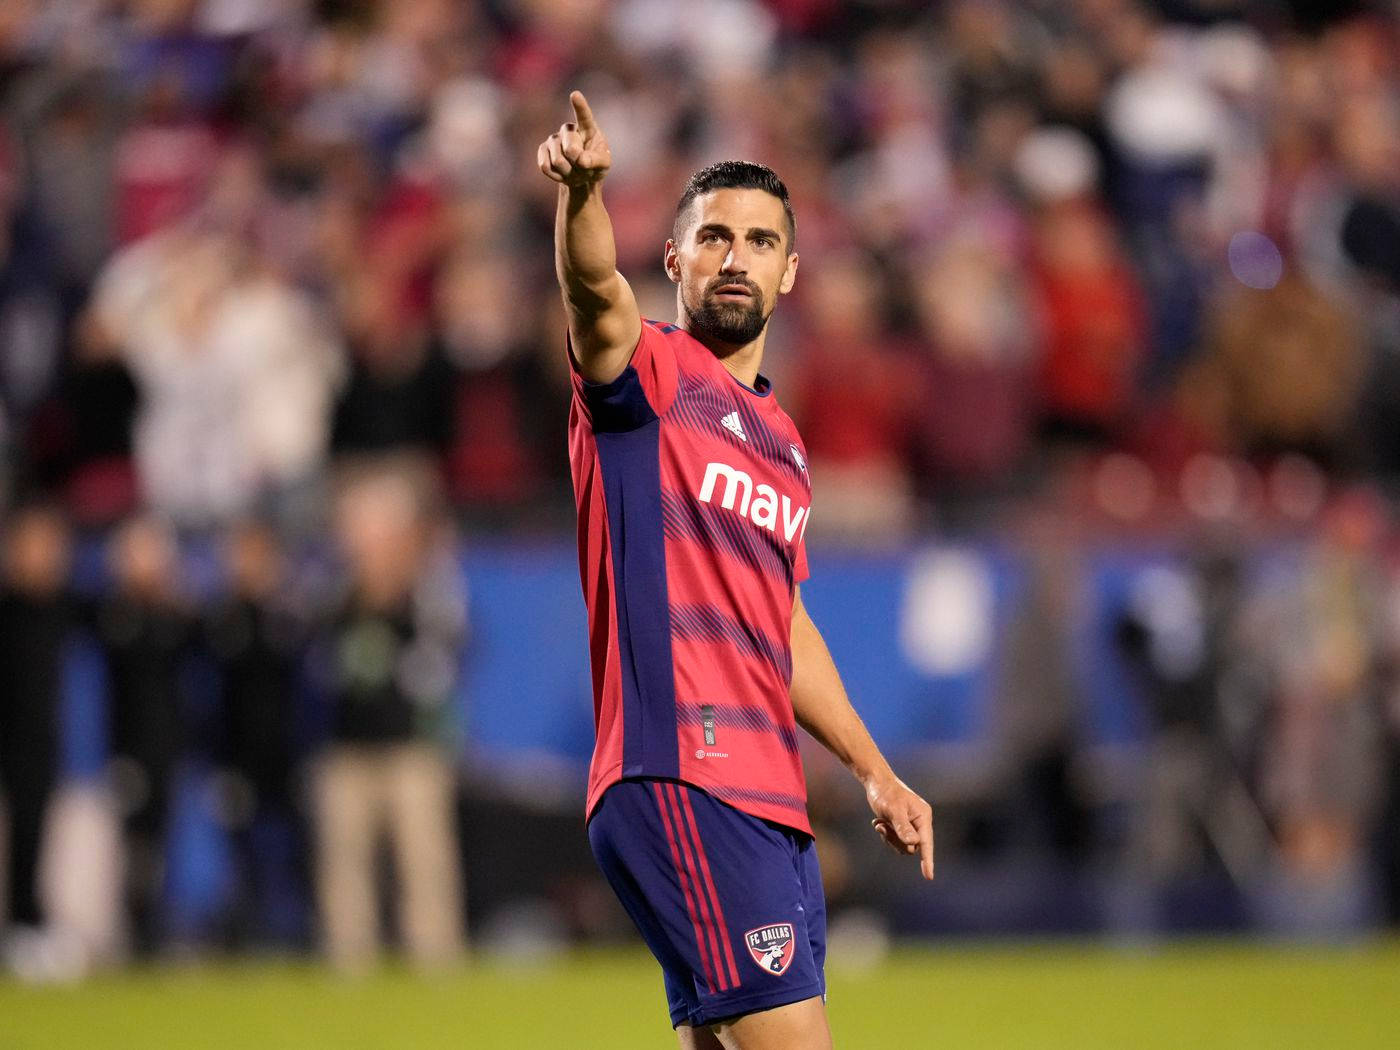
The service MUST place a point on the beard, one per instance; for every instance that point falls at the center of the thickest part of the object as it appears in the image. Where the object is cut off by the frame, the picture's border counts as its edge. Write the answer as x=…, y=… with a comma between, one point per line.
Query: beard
x=736, y=324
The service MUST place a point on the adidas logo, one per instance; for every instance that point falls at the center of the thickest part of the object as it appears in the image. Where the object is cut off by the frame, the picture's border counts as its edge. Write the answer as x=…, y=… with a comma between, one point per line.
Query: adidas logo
x=731, y=423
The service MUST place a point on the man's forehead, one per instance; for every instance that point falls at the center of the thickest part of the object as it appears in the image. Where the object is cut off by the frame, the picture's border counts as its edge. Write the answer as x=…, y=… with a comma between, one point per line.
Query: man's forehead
x=739, y=209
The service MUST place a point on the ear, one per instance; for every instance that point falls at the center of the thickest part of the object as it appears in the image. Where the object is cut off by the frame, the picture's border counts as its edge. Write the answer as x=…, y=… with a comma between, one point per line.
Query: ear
x=789, y=275
x=671, y=262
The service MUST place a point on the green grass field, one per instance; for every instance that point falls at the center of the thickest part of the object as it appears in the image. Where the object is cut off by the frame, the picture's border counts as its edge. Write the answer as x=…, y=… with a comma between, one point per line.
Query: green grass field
x=1042, y=996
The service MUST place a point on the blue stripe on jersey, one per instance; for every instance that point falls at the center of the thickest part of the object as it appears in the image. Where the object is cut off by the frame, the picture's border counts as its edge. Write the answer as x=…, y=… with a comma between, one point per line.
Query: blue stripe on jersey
x=628, y=435
x=707, y=624
x=723, y=530
x=732, y=715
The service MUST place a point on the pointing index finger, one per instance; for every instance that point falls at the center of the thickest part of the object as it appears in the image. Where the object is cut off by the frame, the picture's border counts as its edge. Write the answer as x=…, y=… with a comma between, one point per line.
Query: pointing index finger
x=583, y=115
x=926, y=848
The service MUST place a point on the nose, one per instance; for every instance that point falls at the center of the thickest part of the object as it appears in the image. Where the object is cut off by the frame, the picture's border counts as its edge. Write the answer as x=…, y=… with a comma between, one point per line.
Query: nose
x=734, y=261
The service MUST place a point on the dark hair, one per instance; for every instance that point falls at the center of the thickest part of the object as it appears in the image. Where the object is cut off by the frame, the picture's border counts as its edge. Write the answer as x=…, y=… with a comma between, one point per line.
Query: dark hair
x=736, y=175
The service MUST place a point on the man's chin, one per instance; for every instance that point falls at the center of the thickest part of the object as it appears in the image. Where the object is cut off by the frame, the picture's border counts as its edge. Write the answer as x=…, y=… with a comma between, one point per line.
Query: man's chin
x=730, y=325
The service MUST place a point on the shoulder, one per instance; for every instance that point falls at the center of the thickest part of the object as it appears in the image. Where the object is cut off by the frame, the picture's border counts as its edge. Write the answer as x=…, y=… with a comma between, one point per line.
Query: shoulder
x=677, y=339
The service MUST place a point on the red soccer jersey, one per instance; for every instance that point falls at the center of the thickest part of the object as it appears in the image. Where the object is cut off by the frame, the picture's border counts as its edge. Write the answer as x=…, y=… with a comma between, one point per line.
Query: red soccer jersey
x=693, y=500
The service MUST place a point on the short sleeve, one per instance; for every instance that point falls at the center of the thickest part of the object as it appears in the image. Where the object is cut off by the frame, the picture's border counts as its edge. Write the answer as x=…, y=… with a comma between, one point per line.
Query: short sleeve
x=644, y=391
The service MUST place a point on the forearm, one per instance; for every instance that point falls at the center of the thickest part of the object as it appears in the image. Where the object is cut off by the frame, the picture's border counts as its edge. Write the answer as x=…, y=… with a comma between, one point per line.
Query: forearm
x=585, y=253
x=823, y=709
x=603, y=317
x=821, y=706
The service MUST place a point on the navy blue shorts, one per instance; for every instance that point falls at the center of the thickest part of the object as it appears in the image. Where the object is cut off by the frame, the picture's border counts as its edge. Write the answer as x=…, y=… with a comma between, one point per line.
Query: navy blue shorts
x=730, y=905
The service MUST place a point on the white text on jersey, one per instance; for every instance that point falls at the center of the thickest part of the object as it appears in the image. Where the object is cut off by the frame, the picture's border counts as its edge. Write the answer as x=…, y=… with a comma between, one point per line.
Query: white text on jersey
x=759, y=504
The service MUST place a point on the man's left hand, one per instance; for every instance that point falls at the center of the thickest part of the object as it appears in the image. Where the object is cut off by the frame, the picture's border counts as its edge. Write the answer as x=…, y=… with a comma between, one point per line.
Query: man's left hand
x=903, y=819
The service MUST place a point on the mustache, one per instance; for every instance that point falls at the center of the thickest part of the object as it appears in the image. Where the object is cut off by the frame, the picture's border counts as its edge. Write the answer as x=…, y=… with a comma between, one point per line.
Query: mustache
x=722, y=282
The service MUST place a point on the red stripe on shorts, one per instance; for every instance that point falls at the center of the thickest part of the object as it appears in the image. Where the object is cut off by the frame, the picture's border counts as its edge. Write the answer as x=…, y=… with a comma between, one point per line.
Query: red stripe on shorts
x=706, y=907
x=709, y=883
x=685, y=877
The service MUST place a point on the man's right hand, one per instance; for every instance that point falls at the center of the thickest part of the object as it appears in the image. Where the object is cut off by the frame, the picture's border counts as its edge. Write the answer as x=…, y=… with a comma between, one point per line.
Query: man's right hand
x=603, y=317
x=576, y=155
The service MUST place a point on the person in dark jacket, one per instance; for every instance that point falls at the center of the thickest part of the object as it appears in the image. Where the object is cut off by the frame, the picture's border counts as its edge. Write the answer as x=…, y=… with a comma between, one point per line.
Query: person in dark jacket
x=145, y=633
x=257, y=638
x=37, y=625
x=390, y=652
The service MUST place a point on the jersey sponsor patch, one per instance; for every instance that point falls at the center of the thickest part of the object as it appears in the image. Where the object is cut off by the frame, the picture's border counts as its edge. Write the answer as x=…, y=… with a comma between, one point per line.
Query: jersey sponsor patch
x=757, y=503
x=772, y=947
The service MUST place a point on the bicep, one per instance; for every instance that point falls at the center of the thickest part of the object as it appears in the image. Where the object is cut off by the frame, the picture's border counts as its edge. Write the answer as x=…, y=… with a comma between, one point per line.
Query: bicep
x=604, y=328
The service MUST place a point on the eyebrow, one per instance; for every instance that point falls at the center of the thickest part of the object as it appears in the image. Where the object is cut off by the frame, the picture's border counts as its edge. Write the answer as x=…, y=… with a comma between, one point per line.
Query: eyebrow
x=721, y=228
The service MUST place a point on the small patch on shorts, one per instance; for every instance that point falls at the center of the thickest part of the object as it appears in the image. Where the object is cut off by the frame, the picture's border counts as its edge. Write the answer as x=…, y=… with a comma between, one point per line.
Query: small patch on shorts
x=772, y=947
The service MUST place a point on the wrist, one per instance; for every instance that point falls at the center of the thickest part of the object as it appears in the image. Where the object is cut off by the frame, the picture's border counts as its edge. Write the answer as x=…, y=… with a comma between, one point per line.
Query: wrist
x=875, y=775
x=582, y=193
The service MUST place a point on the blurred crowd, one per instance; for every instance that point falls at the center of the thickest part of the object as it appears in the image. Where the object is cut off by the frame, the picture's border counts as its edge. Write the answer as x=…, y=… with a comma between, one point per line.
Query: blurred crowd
x=309, y=712
x=1132, y=267
x=245, y=238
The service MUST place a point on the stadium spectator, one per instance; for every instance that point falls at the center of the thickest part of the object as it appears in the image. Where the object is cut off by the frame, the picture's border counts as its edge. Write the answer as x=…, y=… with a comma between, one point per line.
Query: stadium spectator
x=499, y=448
x=1094, y=328
x=257, y=635
x=1289, y=362
x=38, y=620
x=165, y=159
x=152, y=308
x=1320, y=760
x=73, y=188
x=145, y=629
x=1037, y=709
x=389, y=659
x=853, y=396
x=399, y=397
x=30, y=312
x=976, y=409
x=1182, y=633
x=235, y=369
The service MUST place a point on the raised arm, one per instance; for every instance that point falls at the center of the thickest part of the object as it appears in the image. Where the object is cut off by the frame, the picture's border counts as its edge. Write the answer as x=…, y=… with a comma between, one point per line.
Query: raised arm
x=603, y=320
x=819, y=700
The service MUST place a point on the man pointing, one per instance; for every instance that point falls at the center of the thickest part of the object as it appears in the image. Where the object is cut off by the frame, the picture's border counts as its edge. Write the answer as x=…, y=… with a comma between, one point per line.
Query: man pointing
x=693, y=499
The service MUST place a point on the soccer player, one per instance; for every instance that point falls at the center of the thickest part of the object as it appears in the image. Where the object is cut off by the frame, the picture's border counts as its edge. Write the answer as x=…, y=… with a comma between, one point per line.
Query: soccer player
x=693, y=499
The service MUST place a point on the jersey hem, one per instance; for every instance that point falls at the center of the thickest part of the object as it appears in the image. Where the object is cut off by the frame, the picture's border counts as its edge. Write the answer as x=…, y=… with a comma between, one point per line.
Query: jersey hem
x=599, y=787
x=774, y=815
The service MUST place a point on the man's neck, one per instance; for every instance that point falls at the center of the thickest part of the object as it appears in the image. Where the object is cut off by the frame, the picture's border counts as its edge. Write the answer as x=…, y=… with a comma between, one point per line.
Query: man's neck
x=743, y=362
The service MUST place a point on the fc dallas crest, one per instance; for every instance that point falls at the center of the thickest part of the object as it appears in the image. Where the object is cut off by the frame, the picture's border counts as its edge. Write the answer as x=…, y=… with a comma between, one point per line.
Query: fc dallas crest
x=772, y=947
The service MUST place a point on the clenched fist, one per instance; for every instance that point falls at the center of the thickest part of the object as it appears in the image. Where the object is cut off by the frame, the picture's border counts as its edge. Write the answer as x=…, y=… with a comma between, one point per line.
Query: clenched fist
x=576, y=155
